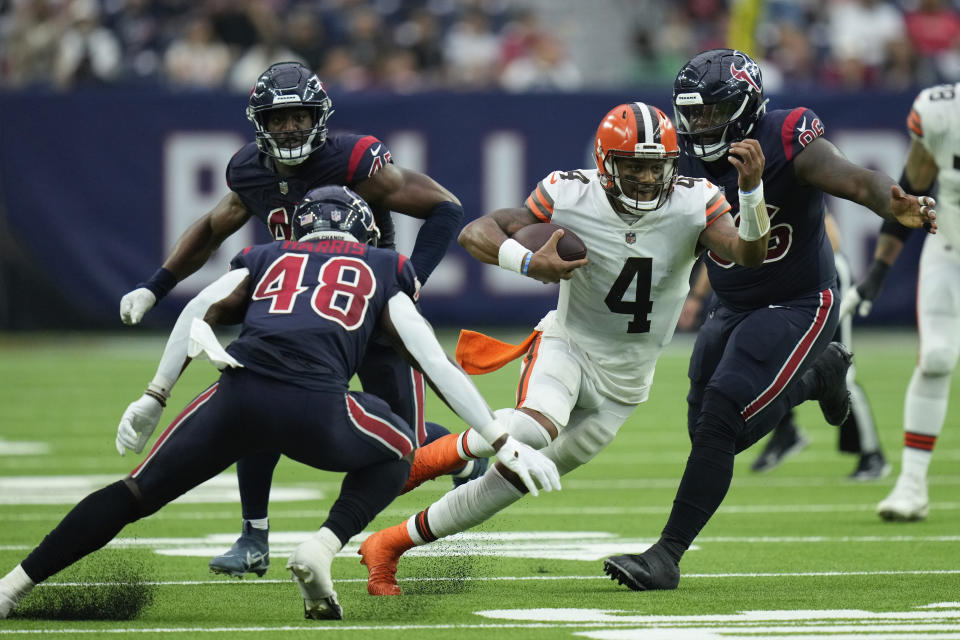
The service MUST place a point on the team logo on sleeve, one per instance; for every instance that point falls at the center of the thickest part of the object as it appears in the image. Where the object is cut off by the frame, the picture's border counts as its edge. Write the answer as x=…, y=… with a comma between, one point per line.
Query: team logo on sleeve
x=378, y=161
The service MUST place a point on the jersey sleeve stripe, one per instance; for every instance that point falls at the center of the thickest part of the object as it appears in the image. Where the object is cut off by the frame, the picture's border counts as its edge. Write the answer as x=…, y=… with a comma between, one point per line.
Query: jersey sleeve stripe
x=786, y=132
x=541, y=204
x=357, y=154
x=544, y=197
x=914, y=123
x=717, y=206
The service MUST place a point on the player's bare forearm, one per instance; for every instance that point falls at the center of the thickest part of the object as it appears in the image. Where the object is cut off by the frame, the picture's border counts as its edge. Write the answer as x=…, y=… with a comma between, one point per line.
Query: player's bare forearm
x=888, y=249
x=722, y=238
x=405, y=191
x=482, y=237
x=204, y=236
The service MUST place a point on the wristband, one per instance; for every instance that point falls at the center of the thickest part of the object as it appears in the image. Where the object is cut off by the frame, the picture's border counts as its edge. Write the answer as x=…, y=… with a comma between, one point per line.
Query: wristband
x=160, y=283
x=872, y=283
x=526, y=263
x=161, y=387
x=754, y=221
x=511, y=255
x=908, y=188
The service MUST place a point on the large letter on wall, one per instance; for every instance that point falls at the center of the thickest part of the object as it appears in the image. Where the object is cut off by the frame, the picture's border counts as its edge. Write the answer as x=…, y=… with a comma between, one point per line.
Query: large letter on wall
x=194, y=165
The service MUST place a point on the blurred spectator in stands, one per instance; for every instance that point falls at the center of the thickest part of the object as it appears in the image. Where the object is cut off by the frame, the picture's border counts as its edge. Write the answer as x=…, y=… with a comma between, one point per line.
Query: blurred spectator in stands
x=341, y=72
x=88, y=52
x=545, y=67
x=519, y=36
x=862, y=33
x=934, y=30
x=472, y=52
x=139, y=25
x=198, y=59
x=267, y=50
x=421, y=34
x=367, y=36
x=397, y=71
x=234, y=22
x=306, y=36
x=29, y=42
x=660, y=49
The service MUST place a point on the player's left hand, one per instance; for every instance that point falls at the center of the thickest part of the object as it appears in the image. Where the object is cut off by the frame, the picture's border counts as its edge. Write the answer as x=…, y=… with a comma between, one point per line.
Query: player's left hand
x=137, y=424
x=914, y=212
x=747, y=157
x=136, y=303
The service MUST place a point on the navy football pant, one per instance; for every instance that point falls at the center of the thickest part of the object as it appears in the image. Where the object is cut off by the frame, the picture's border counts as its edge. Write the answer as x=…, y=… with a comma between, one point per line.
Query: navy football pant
x=351, y=432
x=746, y=373
x=383, y=373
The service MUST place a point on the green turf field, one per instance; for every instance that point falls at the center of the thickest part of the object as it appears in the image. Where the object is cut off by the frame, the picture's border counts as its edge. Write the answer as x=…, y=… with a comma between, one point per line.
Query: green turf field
x=794, y=554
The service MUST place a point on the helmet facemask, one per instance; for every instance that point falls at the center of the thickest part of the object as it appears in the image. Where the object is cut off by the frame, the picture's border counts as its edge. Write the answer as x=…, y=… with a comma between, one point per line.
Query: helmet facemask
x=277, y=144
x=629, y=190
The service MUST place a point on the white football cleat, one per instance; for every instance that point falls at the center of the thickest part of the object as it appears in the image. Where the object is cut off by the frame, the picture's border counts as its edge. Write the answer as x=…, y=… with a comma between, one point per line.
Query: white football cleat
x=309, y=565
x=13, y=587
x=907, y=502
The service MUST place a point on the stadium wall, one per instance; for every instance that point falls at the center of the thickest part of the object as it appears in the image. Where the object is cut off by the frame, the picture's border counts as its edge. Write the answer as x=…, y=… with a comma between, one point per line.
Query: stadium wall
x=96, y=186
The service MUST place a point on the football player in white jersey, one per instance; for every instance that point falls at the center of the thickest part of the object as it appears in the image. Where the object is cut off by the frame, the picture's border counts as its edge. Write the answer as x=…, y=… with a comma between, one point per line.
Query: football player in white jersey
x=934, y=126
x=590, y=362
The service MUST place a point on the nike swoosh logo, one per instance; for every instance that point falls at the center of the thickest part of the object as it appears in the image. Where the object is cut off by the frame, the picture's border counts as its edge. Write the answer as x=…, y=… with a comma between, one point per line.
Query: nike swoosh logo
x=375, y=150
x=553, y=178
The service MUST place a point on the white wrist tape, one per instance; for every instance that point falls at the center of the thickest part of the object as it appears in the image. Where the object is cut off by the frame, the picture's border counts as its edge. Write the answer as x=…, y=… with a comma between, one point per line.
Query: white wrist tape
x=511, y=255
x=754, y=221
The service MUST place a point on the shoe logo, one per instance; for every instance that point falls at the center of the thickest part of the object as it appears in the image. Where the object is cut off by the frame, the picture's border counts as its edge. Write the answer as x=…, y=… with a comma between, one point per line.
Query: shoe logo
x=254, y=559
x=374, y=151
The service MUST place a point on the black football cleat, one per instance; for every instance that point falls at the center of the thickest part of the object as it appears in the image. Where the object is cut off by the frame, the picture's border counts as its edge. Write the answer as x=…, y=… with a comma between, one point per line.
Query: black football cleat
x=652, y=569
x=830, y=375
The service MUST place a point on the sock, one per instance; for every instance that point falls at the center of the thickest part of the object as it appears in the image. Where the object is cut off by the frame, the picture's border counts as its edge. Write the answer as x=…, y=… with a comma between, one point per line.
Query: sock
x=329, y=539
x=924, y=413
x=466, y=506
x=440, y=457
x=263, y=524
x=473, y=445
x=915, y=462
x=254, y=477
x=18, y=582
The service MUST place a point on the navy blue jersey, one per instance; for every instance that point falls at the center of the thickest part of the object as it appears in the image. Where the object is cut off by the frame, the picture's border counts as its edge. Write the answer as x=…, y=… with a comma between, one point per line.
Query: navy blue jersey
x=345, y=159
x=799, y=259
x=313, y=306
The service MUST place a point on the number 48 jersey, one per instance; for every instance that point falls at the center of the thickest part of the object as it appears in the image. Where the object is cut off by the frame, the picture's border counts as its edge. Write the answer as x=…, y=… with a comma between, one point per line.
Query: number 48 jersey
x=621, y=309
x=312, y=307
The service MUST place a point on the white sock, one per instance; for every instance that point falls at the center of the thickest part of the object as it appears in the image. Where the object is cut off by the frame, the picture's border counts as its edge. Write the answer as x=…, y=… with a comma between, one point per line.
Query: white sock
x=475, y=444
x=915, y=462
x=329, y=539
x=466, y=506
x=263, y=524
x=18, y=582
x=925, y=407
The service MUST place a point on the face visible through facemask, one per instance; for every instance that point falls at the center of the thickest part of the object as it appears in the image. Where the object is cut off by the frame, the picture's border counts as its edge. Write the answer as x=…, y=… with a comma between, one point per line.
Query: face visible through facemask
x=290, y=128
x=641, y=179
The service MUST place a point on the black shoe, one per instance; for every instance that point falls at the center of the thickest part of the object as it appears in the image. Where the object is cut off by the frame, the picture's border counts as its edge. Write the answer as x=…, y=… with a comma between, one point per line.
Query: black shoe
x=782, y=444
x=470, y=471
x=830, y=375
x=871, y=466
x=652, y=569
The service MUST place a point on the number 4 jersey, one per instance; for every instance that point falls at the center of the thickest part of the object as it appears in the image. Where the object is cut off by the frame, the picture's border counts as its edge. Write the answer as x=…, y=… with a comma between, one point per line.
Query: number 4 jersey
x=312, y=307
x=621, y=309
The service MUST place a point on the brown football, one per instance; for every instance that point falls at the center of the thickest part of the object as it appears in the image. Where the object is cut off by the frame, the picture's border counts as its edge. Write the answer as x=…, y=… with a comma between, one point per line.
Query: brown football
x=534, y=236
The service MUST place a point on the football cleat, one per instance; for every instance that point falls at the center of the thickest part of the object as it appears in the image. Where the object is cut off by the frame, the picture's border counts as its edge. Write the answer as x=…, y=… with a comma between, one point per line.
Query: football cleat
x=380, y=553
x=652, y=569
x=8, y=602
x=309, y=566
x=870, y=466
x=471, y=471
x=783, y=443
x=249, y=554
x=830, y=373
x=908, y=502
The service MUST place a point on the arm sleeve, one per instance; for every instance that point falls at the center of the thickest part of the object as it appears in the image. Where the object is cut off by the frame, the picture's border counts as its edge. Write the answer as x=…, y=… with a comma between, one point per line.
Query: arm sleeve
x=175, y=353
x=450, y=381
x=435, y=235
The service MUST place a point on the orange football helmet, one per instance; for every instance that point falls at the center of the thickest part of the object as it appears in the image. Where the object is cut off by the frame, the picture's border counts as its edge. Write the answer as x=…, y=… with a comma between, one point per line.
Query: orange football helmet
x=637, y=131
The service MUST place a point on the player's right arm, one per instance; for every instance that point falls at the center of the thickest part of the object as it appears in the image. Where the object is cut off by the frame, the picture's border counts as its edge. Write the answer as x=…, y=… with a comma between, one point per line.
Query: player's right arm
x=191, y=252
x=415, y=338
x=488, y=240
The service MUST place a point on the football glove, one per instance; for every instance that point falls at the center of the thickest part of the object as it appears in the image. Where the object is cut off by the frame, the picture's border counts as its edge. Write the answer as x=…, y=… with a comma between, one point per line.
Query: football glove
x=138, y=423
x=862, y=296
x=530, y=465
x=136, y=303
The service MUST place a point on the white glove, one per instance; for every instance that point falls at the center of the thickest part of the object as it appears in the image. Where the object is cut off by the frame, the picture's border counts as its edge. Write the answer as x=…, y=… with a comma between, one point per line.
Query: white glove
x=138, y=423
x=530, y=465
x=136, y=303
x=851, y=300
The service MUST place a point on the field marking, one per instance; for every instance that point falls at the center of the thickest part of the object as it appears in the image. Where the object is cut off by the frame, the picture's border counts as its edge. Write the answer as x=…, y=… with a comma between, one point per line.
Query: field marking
x=252, y=582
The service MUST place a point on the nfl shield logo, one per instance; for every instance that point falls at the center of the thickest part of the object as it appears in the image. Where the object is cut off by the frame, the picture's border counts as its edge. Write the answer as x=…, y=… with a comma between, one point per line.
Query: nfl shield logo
x=631, y=237
x=336, y=215
x=284, y=188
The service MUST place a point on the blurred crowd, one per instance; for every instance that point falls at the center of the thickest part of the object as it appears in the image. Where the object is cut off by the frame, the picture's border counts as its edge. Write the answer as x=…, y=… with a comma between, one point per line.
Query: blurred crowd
x=420, y=45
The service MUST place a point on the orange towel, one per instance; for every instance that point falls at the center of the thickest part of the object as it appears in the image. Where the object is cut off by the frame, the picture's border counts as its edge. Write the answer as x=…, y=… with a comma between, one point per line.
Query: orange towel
x=478, y=353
